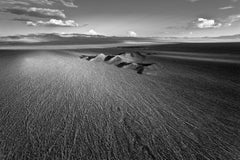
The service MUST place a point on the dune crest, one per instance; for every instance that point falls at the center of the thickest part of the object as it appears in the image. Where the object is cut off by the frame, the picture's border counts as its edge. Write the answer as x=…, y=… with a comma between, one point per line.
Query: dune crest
x=133, y=61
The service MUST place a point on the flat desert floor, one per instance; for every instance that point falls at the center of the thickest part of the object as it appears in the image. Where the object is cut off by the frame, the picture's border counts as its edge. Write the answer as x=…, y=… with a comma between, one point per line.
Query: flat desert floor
x=54, y=105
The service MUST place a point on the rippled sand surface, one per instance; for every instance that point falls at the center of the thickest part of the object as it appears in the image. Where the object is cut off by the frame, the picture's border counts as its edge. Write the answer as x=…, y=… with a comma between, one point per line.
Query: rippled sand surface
x=54, y=105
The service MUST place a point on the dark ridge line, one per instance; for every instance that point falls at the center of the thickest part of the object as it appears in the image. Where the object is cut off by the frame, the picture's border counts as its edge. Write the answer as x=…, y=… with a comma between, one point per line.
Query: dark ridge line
x=90, y=57
x=145, y=64
x=121, y=53
x=140, y=69
x=133, y=54
x=140, y=54
x=140, y=66
x=120, y=65
x=87, y=57
x=108, y=58
x=82, y=56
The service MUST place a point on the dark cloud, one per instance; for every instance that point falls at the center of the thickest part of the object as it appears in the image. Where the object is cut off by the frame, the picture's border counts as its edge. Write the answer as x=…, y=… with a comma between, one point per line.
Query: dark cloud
x=36, y=12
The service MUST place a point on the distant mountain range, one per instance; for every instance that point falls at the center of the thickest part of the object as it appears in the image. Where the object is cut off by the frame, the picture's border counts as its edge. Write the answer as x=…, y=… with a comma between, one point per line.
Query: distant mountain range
x=84, y=39
x=233, y=37
x=58, y=39
x=236, y=36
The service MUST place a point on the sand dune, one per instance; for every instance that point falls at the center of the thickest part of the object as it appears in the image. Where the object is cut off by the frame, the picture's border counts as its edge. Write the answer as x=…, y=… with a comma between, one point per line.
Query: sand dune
x=136, y=57
x=115, y=60
x=134, y=61
x=99, y=58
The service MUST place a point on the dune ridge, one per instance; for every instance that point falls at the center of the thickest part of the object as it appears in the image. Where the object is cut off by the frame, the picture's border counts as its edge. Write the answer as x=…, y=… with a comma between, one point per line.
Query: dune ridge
x=133, y=61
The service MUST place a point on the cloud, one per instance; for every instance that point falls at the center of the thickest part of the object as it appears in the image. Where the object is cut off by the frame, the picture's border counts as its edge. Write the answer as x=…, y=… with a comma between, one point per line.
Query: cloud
x=132, y=34
x=206, y=23
x=36, y=12
x=14, y=2
x=231, y=19
x=21, y=19
x=53, y=23
x=227, y=7
x=47, y=12
x=203, y=23
x=68, y=3
x=50, y=23
x=192, y=1
x=42, y=2
x=199, y=0
x=30, y=23
x=92, y=32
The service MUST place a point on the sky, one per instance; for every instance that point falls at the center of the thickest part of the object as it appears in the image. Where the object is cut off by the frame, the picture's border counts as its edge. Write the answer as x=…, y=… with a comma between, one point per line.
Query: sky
x=134, y=18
